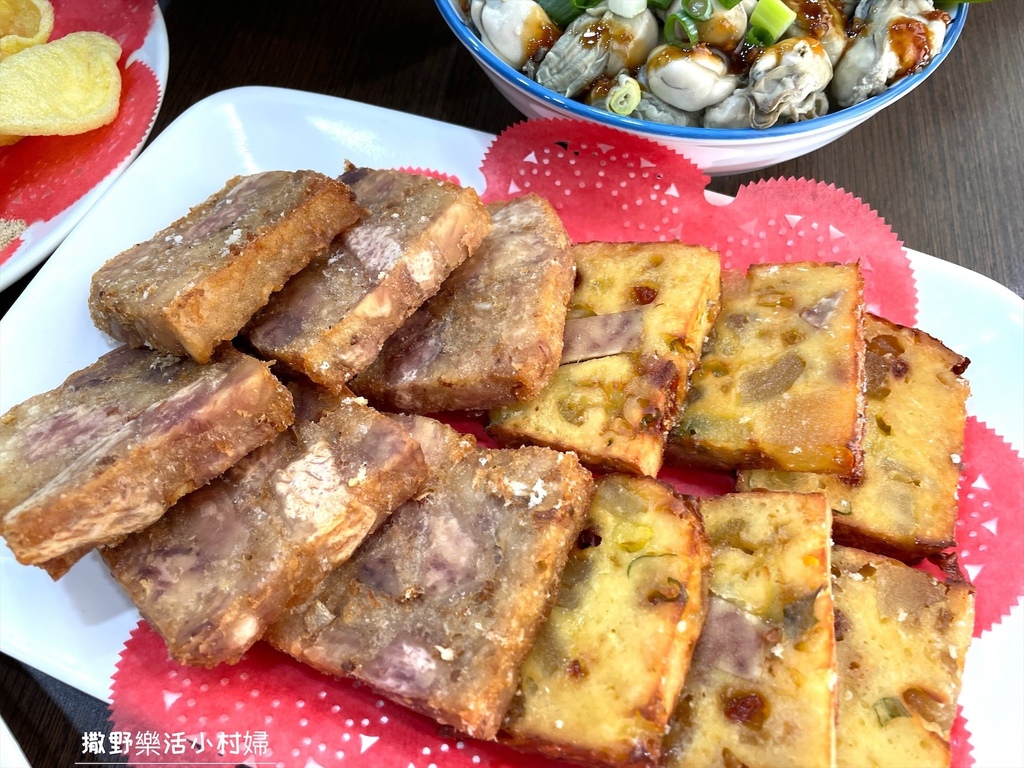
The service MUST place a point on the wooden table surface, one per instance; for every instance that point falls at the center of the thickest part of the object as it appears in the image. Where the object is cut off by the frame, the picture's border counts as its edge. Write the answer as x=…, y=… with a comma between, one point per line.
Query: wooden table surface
x=944, y=167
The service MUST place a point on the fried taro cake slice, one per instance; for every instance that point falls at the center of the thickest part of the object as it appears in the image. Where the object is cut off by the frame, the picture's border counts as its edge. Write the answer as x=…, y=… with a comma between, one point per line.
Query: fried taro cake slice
x=761, y=688
x=636, y=323
x=493, y=334
x=200, y=280
x=438, y=608
x=608, y=665
x=229, y=558
x=905, y=505
x=780, y=383
x=112, y=448
x=332, y=319
x=901, y=637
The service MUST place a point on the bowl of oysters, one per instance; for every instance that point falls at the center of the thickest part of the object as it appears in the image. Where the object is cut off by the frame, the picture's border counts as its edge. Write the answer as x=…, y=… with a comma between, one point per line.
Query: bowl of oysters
x=734, y=85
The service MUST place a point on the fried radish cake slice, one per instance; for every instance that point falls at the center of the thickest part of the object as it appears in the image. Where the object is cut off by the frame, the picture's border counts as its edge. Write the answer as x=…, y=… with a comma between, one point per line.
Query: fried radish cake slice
x=438, y=608
x=905, y=505
x=761, y=688
x=901, y=638
x=332, y=319
x=493, y=334
x=781, y=381
x=636, y=323
x=200, y=280
x=606, y=670
x=112, y=448
x=229, y=558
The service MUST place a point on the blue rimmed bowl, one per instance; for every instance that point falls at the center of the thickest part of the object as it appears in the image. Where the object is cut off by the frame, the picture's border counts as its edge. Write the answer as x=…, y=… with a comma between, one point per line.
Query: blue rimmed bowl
x=717, y=151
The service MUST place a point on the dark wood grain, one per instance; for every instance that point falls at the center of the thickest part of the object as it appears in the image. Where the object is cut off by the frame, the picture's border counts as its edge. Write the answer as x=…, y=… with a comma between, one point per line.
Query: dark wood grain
x=944, y=167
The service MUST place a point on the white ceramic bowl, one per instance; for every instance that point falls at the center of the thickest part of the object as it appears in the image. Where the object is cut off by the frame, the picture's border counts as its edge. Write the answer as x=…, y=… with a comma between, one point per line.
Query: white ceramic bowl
x=717, y=151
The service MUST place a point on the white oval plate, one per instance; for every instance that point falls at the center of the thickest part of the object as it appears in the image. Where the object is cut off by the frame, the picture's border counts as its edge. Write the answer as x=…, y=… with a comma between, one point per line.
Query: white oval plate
x=74, y=629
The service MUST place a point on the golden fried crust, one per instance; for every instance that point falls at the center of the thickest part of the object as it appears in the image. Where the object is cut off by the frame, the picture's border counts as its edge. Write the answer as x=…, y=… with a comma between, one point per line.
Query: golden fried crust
x=891, y=711
x=200, y=280
x=905, y=505
x=761, y=688
x=493, y=333
x=439, y=607
x=603, y=678
x=119, y=442
x=228, y=559
x=636, y=324
x=331, y=321
x=780, y=383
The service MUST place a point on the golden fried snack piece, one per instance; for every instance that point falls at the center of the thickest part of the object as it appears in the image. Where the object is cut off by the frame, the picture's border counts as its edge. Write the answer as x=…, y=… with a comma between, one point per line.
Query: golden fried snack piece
x=438, y=608
x=606, y=670
x=636, y=324
x=493, y=333
x=761, y=688
x=229, y=558
x=64, y=87
x=780, y=382
x=901, y=638
x=24, y=23
x=112, y=448
x=906, y=503
x=331, y=320
x=197, y=282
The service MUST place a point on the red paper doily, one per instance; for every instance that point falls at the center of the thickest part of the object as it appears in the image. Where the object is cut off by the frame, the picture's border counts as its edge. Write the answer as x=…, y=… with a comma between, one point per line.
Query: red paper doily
x=606, y=186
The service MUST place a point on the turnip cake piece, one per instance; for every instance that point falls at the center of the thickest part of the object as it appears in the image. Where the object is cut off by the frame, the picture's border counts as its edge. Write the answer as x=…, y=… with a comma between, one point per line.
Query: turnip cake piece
x=438, y=608
x=637, y=321
x=781, y=381
x=761, y=688
x=609, y=663
x=229, y=558
x=493, y=333
x=332, y=319
x=905, y=505
x=112, y=448
x=200, y=280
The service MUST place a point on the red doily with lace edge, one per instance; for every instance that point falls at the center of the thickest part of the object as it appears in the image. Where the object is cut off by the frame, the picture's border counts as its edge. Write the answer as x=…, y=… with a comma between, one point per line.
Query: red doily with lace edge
x=44, y=175
x=609, y=186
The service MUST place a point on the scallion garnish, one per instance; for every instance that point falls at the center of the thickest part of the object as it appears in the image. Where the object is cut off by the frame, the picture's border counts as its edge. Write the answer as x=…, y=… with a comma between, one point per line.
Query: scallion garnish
x=770, y=19
x=623, y=96
x=729, y=4
x=757, y=36
x=698, y=10
x=661, y=5
x=889, y=708
x=687, y=24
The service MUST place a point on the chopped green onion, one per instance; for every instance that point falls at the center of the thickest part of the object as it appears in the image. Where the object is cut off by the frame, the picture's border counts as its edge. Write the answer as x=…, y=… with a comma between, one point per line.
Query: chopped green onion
x=688, y=25
x=561, y=12
x=623, y=97
x=889, y=708
x=635, y=560
x=772, y=18
x=661, y=5
x=759, y=37
x=729, y=4
x=699, y=10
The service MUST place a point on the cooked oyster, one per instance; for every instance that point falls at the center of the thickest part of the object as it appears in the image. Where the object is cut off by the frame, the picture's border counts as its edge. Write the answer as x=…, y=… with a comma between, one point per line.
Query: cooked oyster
x=895, y=39
x=786, y=83
x=689, y=78
x=515, y=30
x=600, y=42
